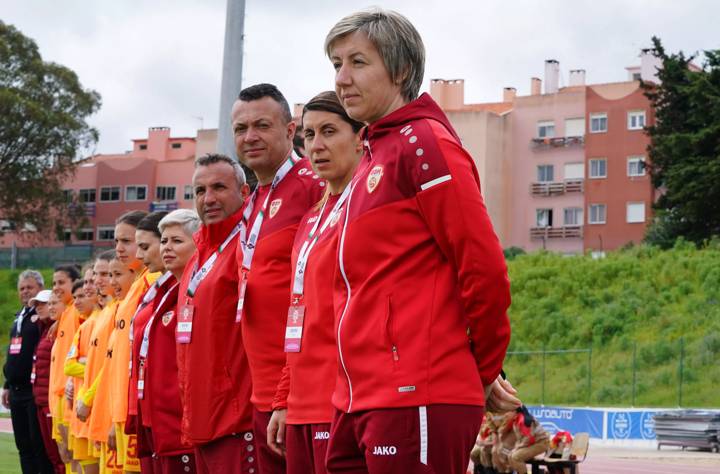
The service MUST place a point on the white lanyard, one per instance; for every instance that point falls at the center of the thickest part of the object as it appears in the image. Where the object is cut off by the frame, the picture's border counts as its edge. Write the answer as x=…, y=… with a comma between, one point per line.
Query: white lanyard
x=199, y=276
x=304, y=254
x=147, y=299
x=145, y=344
x=248, y=244
x=19, y=321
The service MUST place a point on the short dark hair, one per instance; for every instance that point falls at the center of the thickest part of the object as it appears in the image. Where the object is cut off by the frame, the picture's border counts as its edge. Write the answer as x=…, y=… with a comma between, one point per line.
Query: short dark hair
x=77, y=286
x=131, y=218
x=150, y=222
x=259, y=91
x=106, y=256
x=70, y=270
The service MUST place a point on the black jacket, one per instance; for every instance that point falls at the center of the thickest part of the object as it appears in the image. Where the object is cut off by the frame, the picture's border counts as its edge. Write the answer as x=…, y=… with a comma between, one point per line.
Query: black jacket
x=18, y=367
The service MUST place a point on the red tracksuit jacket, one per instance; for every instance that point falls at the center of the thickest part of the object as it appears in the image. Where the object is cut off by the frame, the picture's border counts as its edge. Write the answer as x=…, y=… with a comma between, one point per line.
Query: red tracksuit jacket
x=213, y=372
x=308, y=379
x=267, y=295
x=421, y=288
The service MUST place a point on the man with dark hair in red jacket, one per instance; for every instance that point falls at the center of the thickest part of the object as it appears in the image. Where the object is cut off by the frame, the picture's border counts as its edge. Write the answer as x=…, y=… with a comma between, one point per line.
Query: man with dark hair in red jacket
x=287, y=188
x=213, y=371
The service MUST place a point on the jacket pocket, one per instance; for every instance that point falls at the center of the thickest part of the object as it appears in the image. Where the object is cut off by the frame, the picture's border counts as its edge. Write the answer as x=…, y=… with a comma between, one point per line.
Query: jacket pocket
x=389, y=332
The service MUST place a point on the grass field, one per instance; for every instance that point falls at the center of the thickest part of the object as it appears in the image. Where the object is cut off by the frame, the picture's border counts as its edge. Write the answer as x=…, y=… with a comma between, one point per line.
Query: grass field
x=9, y=461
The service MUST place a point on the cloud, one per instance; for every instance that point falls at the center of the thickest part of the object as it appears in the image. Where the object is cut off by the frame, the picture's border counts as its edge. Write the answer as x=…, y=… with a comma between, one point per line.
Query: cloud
x=159, y=63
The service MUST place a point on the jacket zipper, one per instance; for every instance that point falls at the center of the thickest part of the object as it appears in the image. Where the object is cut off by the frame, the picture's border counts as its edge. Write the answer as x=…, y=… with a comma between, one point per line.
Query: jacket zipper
x=349, y=293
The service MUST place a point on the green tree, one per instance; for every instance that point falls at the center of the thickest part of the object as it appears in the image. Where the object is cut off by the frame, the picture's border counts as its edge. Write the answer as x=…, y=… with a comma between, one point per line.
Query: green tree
x=42, y=131
x=685, y=147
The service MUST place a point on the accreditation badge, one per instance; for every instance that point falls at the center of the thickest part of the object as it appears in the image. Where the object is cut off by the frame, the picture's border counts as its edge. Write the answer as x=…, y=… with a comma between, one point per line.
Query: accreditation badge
x=15, y=345
x=141, y=380
x=294, y=328
x=241, y=298
x=183, y=331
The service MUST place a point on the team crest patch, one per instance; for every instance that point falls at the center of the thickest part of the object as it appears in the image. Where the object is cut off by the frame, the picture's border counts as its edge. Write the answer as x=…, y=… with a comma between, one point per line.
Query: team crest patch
x=374, y=178
x=275, y=207
x=167, y=317
x=335, y=217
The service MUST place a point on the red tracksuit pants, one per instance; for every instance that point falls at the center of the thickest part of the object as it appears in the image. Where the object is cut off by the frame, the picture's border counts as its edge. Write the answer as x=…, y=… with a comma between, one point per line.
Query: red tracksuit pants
x=432, y=439
x=270, y=463
x=235, y=454
x=51, y=448
x=306, y=448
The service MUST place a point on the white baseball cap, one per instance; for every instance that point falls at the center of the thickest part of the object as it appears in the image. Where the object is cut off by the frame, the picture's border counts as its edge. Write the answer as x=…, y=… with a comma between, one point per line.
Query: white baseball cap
x=42, y=297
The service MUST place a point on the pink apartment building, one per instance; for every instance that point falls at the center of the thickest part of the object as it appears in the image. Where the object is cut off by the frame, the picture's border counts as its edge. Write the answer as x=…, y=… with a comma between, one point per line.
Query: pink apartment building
x=537, y=158
x=155, y=175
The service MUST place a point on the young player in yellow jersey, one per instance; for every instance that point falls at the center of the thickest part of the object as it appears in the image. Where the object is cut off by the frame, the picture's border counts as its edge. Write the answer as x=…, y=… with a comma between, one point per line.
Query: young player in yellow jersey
x=67, y=324
x=75, y=370
x=104, y=321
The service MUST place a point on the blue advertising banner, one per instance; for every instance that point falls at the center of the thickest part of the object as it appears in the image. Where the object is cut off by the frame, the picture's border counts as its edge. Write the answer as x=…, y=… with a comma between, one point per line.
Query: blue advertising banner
x=574, y=420
x=626, y=424
x=600, y=423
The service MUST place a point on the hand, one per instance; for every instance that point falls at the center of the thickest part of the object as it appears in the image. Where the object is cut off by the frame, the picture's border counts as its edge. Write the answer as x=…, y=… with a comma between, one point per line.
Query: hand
x=112, y=441
x=500, y=396
x=6, y=398
x=276, y=432
x=82, y=411
x=70, y=390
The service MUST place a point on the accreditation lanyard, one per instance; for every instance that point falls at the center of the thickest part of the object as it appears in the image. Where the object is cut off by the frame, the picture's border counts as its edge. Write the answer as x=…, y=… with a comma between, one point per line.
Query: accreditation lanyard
x=16, y=341
x=296, y=311
x=145, y=345
x=249, y=241
x=187, y=310
x=149, y=296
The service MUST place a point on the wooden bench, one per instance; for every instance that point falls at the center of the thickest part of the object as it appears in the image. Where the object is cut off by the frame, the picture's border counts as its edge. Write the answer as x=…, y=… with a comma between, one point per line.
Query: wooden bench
x=577, y=454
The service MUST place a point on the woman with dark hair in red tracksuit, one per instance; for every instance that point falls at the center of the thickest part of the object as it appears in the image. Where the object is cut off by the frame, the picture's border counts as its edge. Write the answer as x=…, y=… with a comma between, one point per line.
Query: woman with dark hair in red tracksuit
x=300, y=424
x=421, y=286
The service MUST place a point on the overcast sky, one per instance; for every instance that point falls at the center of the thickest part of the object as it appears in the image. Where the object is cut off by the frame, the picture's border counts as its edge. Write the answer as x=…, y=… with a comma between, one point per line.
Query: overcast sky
x=158, y=63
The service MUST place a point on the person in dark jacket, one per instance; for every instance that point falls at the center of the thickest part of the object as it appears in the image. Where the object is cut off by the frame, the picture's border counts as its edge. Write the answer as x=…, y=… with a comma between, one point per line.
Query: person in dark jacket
x=40, y=377
x=17, y=392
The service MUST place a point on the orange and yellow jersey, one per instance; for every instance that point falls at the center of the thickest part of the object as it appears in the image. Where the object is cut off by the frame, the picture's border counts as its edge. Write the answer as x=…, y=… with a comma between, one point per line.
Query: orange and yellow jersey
x=97, y=349
x=75, y=363
x=68, y=323
x=117, y=372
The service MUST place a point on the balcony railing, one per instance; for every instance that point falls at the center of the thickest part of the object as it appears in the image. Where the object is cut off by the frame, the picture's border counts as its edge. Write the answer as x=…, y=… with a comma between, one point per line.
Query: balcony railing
x=89, y=208
x=557, y=188
x=163, y=206
x=564, y=232
x=556, y=142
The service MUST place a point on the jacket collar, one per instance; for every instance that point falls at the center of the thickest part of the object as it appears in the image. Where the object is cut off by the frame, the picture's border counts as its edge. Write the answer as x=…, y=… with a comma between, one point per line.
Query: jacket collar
x=212, y=235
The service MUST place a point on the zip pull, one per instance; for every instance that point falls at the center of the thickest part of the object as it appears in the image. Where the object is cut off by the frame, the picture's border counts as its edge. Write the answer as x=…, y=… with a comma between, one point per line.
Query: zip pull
x=395, y=354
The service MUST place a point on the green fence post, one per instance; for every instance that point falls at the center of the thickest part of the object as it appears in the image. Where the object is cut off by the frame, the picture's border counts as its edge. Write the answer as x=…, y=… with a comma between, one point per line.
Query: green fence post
x=589, y=375
x=542, y=378
x=680, y=371
x=634, y=372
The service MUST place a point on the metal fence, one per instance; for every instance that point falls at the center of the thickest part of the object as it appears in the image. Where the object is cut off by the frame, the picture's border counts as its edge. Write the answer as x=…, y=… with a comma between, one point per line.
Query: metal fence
x=47, y=257
x=661, y=373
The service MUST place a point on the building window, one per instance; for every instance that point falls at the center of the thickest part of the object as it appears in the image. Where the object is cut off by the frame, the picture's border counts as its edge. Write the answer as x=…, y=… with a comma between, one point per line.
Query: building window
x=68, y=195
x=546, y=129
x=575, y=127
x=85, y=235
x=598, y=168
x=176, y=145
x=543, y=217
x=636, y=166
x=545, y=173
x=67, y=235
x=165, y=193
x=106, y=232
x=87, y=195
x=573, y=216
x=110, y=194
x=635, y=212
x=636, y=76
x=574, y=171
x=135, y=193
x=143, y=146
x=598, y=123
x=188, y=192
x=597, y=214
x=636, y=120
